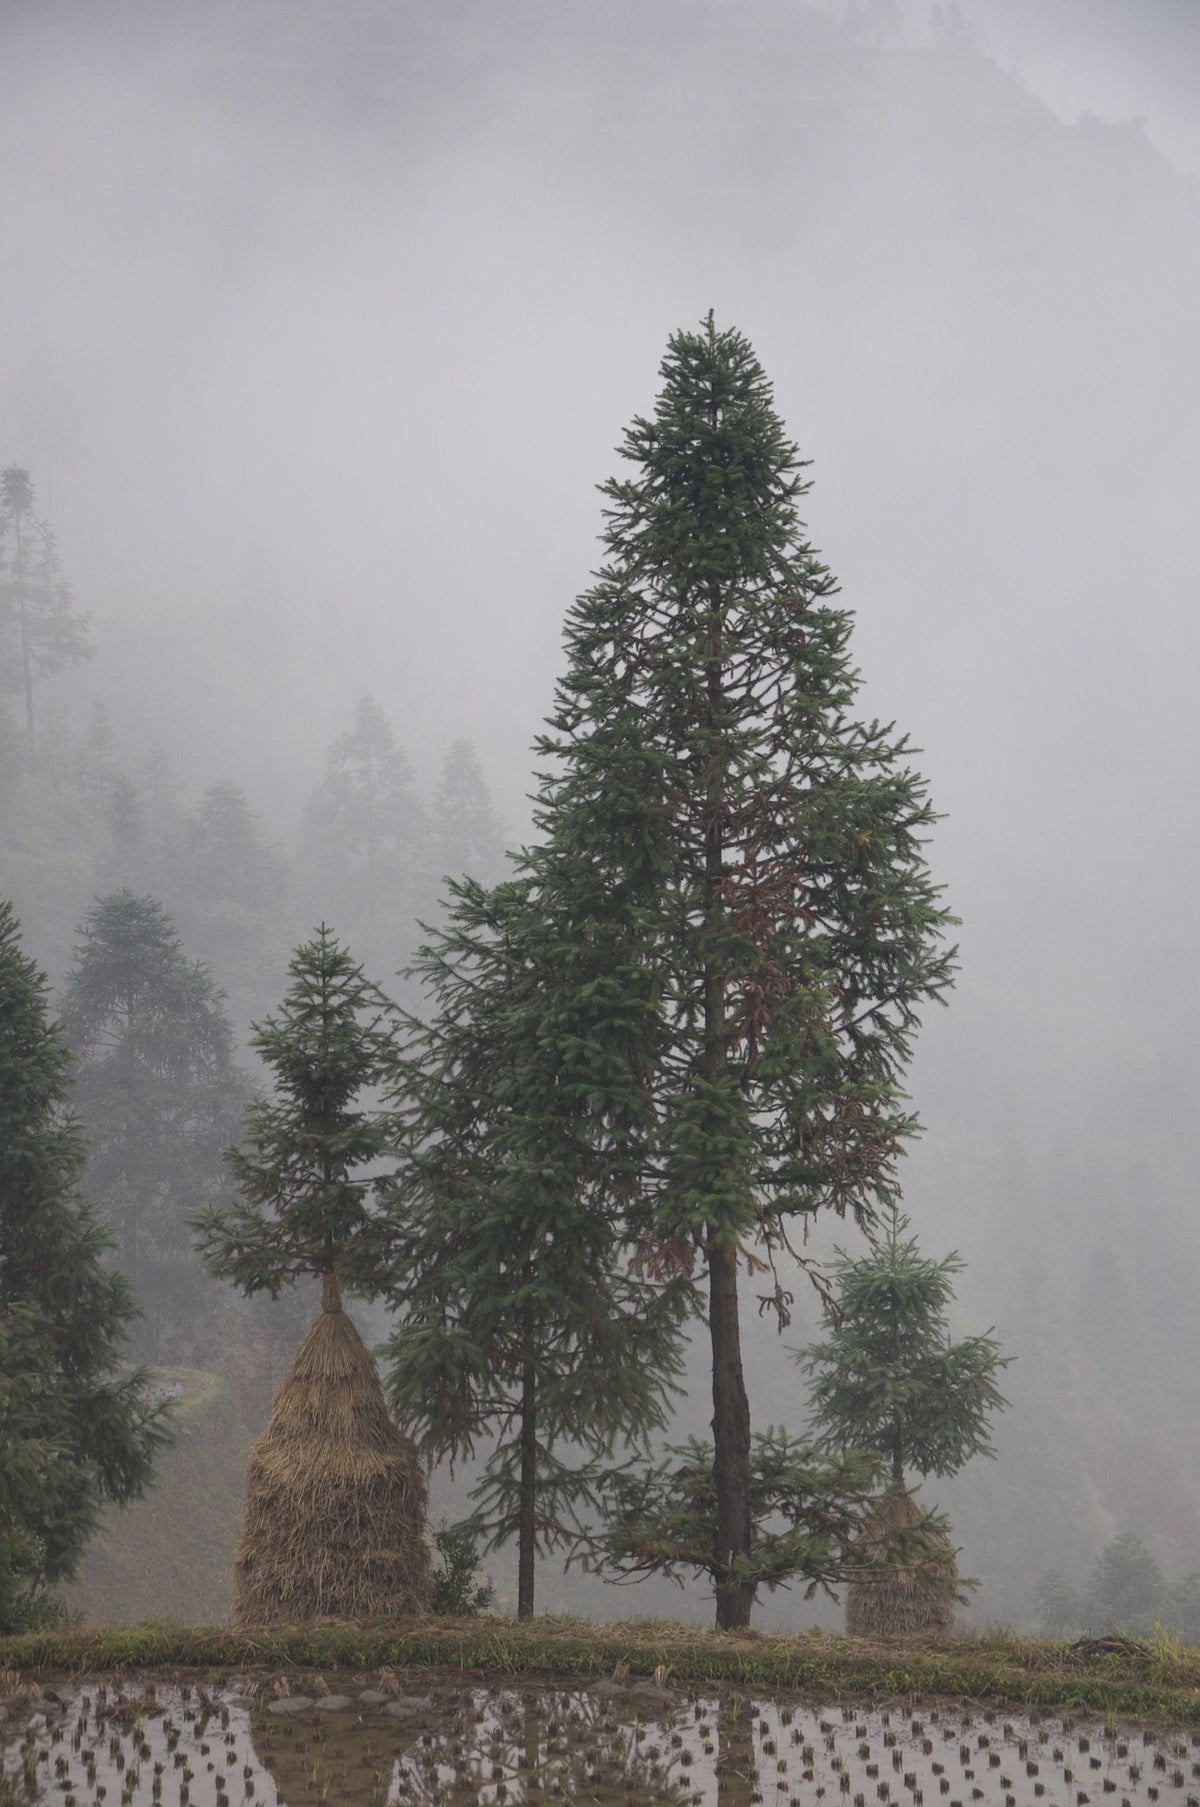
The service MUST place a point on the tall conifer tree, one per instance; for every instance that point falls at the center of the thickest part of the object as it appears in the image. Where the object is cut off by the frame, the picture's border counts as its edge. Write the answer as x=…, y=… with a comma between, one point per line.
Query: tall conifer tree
x=39, y=631
x=469, y=834
x=77, y=1427
x=738, y=862
x=160, y=1095
x=364, y=860
x=523, y=1321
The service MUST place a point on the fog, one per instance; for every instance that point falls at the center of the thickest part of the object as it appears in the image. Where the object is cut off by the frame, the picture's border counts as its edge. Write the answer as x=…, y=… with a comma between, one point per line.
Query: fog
x=320, y=324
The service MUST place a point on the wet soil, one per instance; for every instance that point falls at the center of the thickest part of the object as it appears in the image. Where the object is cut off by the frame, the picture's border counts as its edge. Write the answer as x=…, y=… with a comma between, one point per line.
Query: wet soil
x=354, y=1740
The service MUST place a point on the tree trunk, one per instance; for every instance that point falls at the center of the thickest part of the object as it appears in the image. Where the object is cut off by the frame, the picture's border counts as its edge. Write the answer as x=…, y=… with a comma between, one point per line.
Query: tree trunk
x=731, y=1435
x=731, y=1407
x=526, y=1530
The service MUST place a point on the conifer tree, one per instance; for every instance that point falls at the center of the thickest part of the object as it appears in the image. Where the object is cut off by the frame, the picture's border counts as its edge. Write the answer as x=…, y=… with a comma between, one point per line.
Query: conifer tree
x=1126, y=1591
x=888, y=1378
x=365, y=838
x=228, y=885
x=524, y=1322
x=160, y=1095
x=470, y=838
x=305, y=1193
x=39, y=631
x=739, y=924
x=77, y=1426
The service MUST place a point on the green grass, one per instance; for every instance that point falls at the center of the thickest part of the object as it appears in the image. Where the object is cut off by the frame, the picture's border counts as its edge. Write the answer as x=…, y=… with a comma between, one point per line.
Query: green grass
x=1159, y=1680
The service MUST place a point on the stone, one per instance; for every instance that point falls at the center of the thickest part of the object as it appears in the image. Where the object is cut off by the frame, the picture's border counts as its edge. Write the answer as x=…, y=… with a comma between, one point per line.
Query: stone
x=404, y=1709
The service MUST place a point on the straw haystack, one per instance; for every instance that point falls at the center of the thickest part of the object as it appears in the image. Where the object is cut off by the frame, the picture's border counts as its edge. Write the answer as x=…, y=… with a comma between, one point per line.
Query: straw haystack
x=335, y=1498
x=908, y=1585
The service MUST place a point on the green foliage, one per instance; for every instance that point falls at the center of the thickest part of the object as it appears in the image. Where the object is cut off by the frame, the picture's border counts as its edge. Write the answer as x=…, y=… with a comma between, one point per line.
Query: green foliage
x=806, y=1510
x=887, y=1377
x=705, y=765
x=457, y=1588
x=76, y=1427
x=304, y=1191
x=523, y=1321
x=160, y=1096
x=728, y=928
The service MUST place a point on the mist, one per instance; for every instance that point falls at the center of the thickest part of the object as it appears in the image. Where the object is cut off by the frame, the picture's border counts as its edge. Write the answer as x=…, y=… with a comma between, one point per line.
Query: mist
x=321, y=323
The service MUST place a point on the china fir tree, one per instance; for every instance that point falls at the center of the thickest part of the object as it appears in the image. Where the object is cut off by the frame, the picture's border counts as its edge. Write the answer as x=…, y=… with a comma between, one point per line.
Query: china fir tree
x=160, y=1095
x=888, y=1377
x=78, y=1426
x=228, y=885
x=305, y=1189
x=364, y=855
x=469, y=834
x=778, y=931
x=535, y=1317
x=331, y=1471
x=40, y=631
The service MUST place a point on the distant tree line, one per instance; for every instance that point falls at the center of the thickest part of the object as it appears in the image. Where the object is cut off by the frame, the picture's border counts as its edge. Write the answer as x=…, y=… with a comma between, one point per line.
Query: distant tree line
x=372, y=852
x=1125, y=1592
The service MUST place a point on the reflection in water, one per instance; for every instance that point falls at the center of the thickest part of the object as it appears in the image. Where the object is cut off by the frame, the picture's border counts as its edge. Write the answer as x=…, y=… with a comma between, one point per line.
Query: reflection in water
x=404, y=1743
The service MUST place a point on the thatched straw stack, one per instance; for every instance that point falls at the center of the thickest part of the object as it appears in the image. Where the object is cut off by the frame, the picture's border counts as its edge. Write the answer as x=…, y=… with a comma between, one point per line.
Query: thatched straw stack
x=909, y=1583
x=335, y=1498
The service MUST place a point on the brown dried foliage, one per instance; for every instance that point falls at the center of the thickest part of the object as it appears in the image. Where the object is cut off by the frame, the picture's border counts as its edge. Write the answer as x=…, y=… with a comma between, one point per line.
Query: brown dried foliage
x=335, y=1515
x=908, y=1586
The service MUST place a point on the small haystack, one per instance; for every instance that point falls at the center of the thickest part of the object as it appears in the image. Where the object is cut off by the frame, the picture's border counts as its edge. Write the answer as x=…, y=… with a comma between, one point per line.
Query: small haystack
x=335, y=1498
x=909, y=1585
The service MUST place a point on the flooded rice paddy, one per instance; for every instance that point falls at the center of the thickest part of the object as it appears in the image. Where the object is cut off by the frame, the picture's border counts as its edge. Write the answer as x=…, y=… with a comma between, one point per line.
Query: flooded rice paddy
x=404, y=1741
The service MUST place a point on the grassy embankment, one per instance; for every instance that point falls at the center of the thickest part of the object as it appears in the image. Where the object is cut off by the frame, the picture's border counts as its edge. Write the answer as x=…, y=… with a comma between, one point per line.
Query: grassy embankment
x=1157, y=1680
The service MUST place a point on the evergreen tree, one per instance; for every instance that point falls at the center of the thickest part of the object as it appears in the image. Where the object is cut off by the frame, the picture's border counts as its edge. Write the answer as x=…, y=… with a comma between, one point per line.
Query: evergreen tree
x=39, y=631
x=366, y=836
x=94, y=765
x=470, y=837
x=746, y=858
x=806, y=1511
x=523, y=1320
x=77, y=1426
x=160, y=1096
x=1060, y=1610
x=1125, y=1592
x=888, y=1378
x=305, y=1189
x=228, y=885
x=127, y=827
